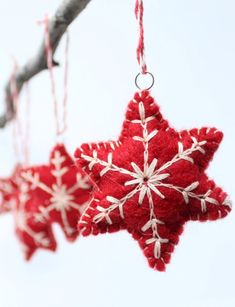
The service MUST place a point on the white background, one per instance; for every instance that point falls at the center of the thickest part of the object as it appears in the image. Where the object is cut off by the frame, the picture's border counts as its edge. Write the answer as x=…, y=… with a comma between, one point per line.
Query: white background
x=190, y=48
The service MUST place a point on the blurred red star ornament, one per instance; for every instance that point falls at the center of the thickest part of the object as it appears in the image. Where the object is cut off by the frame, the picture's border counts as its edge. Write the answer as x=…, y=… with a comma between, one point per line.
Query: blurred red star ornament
x=17, y=198
x=151, y=181
x=62, y=191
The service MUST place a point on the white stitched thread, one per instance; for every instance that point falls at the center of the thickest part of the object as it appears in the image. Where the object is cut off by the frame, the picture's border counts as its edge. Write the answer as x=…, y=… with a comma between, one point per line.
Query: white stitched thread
x=62, y=198
x=148, y=119
x=115, y=203
x=227, y=202
x=112, y=146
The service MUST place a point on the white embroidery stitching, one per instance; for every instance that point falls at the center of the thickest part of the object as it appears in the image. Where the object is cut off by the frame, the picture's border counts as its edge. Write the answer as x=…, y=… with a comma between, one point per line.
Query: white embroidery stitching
x=6, y=189
x=62, y=198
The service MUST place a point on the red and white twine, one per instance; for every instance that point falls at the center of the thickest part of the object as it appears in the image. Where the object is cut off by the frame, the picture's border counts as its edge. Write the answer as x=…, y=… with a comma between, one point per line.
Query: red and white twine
x=60, y=127
x=139, y=12
x=20, y=133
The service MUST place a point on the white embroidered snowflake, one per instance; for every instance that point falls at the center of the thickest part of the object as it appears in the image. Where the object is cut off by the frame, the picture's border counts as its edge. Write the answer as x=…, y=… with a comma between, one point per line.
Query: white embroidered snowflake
x=62, y=198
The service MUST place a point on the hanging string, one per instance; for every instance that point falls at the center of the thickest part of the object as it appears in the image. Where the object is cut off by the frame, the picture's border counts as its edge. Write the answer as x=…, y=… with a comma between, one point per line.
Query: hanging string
x=139, y=12
x=60, y=128
x=140, y=51
x=49, y=55
x=16, y=127
x=66, y=72
x=20, y=135
x=26, y=140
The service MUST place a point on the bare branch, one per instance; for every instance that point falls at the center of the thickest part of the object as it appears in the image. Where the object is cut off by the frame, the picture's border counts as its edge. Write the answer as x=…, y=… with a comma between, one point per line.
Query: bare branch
x=64, y=16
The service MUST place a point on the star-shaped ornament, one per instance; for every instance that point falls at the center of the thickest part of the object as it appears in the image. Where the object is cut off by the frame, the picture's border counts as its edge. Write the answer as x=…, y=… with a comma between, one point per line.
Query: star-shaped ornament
x=151, y=181
x=62, y=191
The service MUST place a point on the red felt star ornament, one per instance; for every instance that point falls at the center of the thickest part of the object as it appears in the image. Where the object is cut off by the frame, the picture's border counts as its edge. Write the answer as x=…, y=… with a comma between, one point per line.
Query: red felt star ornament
x=151, y=181
x=62, y=191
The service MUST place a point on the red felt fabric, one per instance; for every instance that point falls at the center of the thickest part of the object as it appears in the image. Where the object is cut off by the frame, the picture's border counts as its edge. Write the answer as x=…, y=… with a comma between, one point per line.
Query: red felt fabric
x=56, y=193
x=151, y=181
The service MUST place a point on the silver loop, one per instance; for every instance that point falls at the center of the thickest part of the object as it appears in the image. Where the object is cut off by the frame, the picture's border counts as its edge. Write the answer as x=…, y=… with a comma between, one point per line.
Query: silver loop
x=151, y=84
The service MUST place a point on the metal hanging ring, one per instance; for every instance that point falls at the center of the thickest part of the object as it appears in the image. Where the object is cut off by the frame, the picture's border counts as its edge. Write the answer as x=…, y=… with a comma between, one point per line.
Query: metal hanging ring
x=137, y=80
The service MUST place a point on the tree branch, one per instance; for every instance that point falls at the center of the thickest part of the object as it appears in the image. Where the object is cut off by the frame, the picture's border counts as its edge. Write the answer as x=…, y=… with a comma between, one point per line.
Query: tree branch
x=64, y=16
